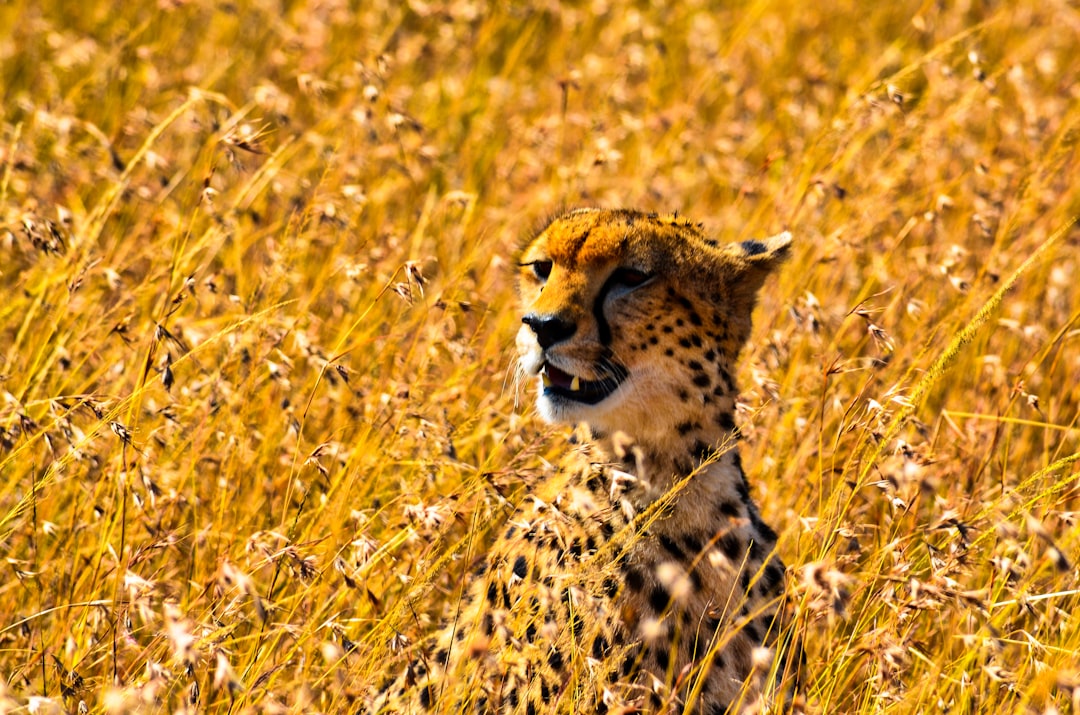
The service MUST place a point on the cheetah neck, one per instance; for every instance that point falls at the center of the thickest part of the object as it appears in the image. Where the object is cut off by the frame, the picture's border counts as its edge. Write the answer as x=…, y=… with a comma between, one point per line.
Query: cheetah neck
x=695, y=477
x=696, y=456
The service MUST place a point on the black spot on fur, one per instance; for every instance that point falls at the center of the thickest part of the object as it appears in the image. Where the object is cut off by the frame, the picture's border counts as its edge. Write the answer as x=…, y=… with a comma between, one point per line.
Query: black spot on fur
x=530, y=632
x=530, y=709
x=710, y=355
x=668, y=329
x=595, y=484
x=726, y=420
x=634, y=579
x=743, y=490
x=764, y=530
x=555, y=659
x=662, y=656
x=599, y=647
x=685, y=427
x=729, y=509
x=685, y=342
x=669, y=352
x=684, y=302
x=492, y=593
x=771, y=636
x=726, y=377
x=427, y=696
x=659, y=598
x=653, y=340
x=521, y=567
x=695, y=366
x=696, y=340
x=732, y=546
x=671, y=547
x=702, y=380
x=692, y=544
x=752, y=632
x=574, y=623
x=611, y=587
x=442, y=657
x=695, y=319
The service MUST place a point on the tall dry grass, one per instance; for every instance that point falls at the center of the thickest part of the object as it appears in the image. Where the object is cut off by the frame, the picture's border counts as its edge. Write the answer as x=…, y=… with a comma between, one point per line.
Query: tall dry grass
x=258, y=415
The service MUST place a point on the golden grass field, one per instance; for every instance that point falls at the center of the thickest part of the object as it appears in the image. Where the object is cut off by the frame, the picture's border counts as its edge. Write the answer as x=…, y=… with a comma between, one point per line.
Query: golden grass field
x=258, y=413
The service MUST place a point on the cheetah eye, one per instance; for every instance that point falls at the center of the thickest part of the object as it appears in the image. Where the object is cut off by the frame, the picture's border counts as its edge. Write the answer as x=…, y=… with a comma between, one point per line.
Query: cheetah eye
x=540, y=269
x=629, y=277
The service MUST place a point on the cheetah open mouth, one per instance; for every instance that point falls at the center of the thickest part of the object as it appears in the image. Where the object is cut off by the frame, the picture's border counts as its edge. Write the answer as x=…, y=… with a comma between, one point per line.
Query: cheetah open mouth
x=572, y=387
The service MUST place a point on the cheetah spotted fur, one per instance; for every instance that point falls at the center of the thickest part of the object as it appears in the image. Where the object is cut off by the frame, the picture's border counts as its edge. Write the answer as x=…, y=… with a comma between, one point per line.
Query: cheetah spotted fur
x=640, y=577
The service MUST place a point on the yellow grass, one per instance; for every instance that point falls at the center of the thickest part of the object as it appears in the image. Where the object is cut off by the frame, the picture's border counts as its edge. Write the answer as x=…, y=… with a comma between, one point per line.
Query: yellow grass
x=257, y=409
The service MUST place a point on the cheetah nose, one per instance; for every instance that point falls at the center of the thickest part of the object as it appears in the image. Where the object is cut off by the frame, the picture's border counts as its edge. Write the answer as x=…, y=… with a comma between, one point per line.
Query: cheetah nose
x=549, y=329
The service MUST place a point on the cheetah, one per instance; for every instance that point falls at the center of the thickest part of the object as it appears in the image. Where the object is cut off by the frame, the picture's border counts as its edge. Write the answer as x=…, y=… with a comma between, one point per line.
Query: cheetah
x=640, y=577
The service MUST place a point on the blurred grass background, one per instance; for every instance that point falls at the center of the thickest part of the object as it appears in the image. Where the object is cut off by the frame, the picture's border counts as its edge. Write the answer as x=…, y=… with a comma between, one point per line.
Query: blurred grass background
x=258, y=409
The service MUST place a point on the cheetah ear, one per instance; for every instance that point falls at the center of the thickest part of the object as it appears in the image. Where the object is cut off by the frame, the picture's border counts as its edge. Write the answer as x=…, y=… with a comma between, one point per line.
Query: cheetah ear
x=752, y=262
x=765, y=253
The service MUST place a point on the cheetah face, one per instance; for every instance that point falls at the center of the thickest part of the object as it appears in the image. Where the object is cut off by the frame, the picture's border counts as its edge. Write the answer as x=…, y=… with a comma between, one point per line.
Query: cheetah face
x=631, y=320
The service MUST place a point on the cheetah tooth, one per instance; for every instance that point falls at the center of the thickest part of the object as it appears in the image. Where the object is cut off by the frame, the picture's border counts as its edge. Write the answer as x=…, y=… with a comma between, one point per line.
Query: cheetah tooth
x=545, y=379
x=575, y=384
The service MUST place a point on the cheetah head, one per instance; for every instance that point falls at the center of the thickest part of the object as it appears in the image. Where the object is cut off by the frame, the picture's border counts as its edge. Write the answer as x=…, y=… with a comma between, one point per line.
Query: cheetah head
x=633, y=321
